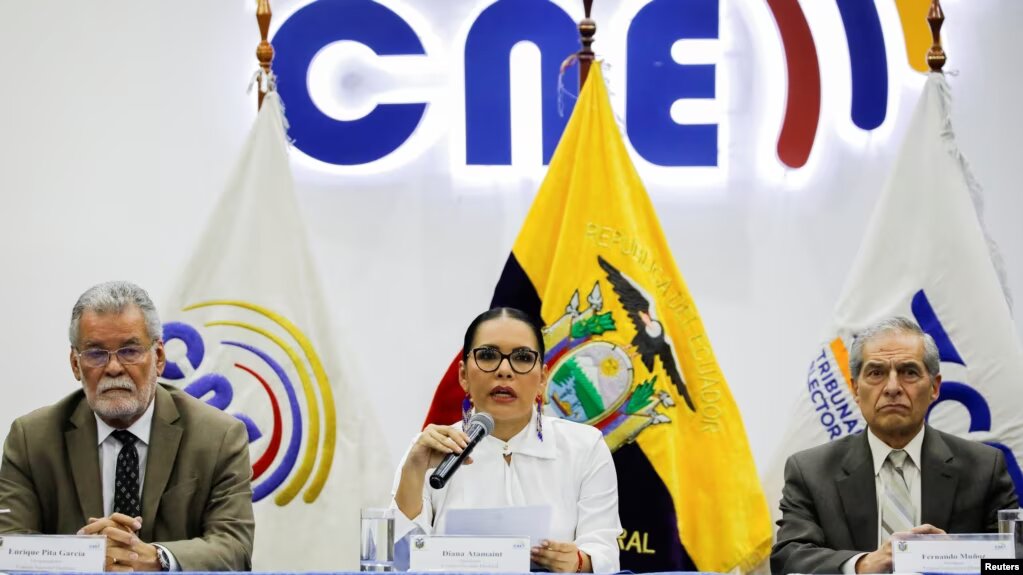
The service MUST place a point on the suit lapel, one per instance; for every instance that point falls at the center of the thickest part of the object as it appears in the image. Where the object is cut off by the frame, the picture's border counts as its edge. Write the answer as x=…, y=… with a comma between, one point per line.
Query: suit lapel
x=163, y=449
x=856, y=488
x=83, y=458
x=938, y=480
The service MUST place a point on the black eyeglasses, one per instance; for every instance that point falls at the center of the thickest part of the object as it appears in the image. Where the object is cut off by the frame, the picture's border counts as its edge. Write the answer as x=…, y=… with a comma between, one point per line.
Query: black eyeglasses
x=488, y=359
x=127, y=355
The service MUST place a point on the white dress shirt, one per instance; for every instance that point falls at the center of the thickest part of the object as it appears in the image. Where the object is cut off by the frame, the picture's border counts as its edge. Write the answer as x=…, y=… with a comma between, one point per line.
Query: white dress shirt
x=571, y=471
x=110, y=448
x=879, y=451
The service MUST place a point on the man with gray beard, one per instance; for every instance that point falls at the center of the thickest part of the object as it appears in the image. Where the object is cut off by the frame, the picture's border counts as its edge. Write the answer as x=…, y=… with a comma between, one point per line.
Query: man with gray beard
x=165, y=477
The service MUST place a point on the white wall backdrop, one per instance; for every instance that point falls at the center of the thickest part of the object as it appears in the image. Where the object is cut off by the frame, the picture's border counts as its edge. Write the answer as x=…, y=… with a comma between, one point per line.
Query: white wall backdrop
x=122, y=119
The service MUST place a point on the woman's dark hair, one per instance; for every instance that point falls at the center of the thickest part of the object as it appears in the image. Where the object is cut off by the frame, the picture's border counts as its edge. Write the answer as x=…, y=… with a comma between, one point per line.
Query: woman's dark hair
x=470, y=332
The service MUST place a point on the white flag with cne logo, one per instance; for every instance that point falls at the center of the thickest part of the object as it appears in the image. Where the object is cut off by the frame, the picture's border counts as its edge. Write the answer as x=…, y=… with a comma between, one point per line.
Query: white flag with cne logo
x=247, y=331
x=925, y=256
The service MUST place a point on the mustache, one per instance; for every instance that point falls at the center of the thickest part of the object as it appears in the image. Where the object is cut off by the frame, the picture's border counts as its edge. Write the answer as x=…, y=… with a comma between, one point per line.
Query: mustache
x=109, y=383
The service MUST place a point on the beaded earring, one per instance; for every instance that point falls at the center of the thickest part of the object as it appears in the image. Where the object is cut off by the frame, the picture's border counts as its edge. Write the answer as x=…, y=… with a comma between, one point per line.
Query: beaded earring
x=539, y=417
x=466, y=412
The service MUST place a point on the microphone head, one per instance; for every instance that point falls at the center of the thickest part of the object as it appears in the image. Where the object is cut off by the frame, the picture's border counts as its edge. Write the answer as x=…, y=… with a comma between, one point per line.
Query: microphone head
x=485, y=420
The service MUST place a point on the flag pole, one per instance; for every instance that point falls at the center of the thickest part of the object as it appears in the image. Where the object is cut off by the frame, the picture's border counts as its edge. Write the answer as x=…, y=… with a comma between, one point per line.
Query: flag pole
x=264, y=51
x=587, y=29
x=936, y=55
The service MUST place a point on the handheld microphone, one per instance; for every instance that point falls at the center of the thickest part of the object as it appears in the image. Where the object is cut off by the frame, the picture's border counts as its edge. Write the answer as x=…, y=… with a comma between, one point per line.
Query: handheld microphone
x=480, y=426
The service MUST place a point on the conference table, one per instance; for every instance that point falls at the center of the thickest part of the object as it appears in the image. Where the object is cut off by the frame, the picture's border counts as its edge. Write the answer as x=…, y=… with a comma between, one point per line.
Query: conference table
x=407, y=572
x=353, y=573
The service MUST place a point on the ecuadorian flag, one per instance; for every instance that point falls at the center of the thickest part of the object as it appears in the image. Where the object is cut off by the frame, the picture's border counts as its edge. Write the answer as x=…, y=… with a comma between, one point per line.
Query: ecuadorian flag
x=628, y=354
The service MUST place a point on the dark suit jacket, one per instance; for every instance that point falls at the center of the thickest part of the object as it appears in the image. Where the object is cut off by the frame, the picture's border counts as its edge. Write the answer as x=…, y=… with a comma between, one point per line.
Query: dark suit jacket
x=829, y=502
x=197, y=496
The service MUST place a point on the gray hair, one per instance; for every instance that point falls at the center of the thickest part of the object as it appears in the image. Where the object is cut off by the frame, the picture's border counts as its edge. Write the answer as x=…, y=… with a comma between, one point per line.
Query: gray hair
x=115, y=297
x=932, y=361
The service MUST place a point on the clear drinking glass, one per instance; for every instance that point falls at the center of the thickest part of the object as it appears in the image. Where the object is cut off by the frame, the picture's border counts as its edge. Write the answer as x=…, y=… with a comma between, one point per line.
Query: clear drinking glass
x=377, y=547
x=1011, y=521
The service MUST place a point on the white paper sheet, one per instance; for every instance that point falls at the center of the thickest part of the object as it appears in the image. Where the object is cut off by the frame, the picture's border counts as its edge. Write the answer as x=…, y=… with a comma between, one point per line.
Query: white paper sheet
x=532, y=521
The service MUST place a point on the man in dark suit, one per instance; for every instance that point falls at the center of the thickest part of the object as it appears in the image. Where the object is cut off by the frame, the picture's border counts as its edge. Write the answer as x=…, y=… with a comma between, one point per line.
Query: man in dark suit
x=163, y=476
x=842, y=501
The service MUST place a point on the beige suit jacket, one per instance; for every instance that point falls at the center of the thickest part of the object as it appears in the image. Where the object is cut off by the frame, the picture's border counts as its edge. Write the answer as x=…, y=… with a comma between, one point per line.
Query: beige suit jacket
x=197, y=496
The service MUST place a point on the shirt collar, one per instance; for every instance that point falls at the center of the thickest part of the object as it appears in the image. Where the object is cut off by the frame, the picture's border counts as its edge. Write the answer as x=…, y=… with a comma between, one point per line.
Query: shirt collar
x=879, y=449
x=139, y=429
x=526, y=441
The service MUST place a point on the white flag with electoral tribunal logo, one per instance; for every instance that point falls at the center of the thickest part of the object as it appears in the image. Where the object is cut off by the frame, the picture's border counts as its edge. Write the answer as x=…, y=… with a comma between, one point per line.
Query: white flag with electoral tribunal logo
x=925, y=256
x=247, y=331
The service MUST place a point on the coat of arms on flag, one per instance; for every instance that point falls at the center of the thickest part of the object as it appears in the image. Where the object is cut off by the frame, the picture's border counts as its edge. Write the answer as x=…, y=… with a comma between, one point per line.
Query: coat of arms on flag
x=592, y=366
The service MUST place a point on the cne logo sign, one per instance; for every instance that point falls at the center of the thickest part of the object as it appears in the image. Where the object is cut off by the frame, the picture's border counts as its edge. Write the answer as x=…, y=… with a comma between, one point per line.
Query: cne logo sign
x=258, y=366
x=667, y=121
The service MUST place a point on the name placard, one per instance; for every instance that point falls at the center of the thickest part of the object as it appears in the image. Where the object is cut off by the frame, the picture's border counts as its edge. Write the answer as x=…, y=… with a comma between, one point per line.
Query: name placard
x=463, y=553
x=52, y=552
x=959, y=553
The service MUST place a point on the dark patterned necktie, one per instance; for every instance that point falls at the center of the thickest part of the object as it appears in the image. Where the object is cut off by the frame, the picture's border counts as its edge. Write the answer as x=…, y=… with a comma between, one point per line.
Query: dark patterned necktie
x=126, y=482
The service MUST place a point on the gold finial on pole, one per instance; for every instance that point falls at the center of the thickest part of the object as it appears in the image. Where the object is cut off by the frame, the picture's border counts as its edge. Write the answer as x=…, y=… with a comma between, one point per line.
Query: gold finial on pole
x=264, y=51
x=936, y=55
x=587, y=29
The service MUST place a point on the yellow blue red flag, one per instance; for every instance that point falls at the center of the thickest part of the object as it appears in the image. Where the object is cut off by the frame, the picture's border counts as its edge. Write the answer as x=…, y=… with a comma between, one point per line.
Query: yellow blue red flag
x=628, y=353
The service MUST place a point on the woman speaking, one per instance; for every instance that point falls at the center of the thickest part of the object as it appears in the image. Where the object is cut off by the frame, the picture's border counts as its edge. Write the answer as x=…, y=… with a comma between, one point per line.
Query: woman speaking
x=528, y=459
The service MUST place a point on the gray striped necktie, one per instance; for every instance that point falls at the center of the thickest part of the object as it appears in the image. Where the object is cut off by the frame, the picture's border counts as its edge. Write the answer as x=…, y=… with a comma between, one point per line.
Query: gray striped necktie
x=896, y=503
